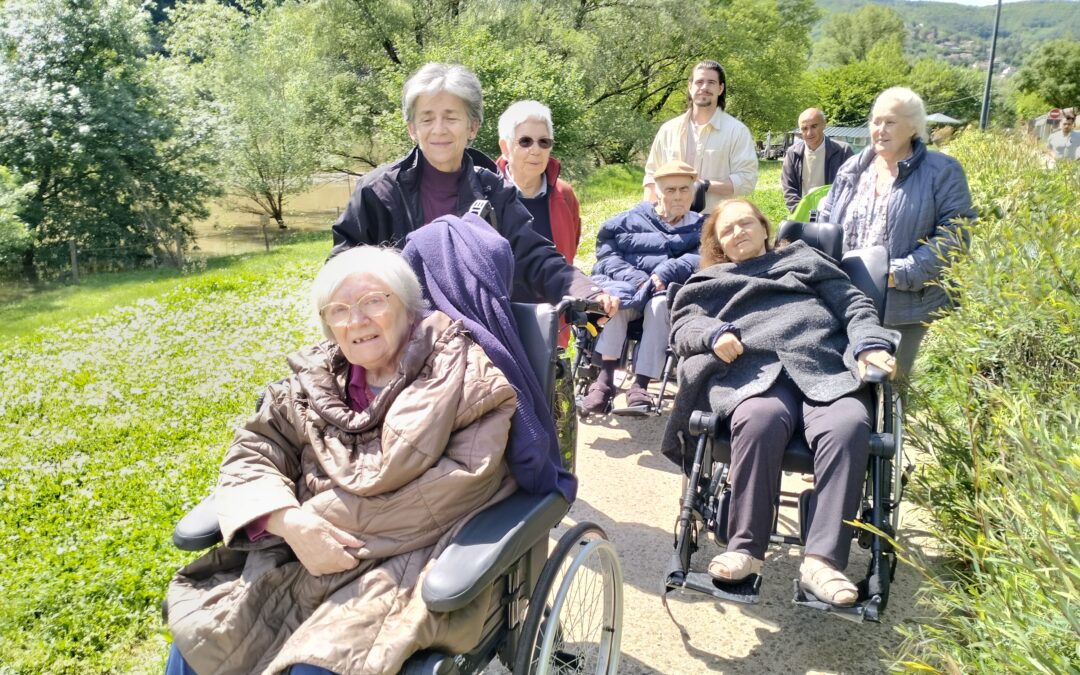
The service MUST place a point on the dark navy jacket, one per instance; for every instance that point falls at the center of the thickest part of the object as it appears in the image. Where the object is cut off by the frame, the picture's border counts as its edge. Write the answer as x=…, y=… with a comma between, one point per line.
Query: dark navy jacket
x=791, y=175
x=385, y=207
x=637, y=243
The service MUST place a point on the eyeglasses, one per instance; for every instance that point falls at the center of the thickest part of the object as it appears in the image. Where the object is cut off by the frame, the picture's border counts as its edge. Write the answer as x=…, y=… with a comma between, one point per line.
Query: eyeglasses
x=527, y=141
x=372, y=305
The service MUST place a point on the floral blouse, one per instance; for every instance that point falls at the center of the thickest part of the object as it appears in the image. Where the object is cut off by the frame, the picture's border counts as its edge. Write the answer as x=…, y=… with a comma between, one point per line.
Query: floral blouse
x=864, y=220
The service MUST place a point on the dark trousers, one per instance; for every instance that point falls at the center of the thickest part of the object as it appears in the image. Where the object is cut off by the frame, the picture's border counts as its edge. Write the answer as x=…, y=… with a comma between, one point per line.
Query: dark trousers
x=838, y=433
x=176, y=665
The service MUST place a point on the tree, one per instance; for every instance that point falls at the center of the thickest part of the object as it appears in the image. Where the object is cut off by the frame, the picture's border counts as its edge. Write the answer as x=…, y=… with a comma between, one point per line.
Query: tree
x=850, y=36
x=1053, y=73
x=14, y=237
x=261, y=69
x=952, y=90
x=846, y=93
x=81, y=117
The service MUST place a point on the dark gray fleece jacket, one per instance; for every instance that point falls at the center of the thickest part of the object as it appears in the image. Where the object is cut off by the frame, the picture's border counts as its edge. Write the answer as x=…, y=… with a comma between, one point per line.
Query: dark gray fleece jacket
x=796, y=312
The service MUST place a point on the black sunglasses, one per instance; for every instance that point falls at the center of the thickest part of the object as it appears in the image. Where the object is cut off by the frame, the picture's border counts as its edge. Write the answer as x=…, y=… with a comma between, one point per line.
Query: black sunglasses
x=527, y=141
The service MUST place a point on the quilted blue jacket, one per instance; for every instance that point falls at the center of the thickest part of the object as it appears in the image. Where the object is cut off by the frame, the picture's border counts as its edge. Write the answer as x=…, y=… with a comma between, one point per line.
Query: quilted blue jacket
x=929, y=208
x=635, y=244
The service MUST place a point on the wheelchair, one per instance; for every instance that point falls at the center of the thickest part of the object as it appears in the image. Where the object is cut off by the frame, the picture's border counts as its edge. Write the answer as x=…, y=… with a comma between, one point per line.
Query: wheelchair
x=585, y=365
x=557, y=613
x=705, y=502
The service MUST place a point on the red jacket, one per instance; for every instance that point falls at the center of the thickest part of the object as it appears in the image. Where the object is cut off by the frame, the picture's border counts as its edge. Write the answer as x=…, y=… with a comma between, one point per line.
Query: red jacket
x=563, y=207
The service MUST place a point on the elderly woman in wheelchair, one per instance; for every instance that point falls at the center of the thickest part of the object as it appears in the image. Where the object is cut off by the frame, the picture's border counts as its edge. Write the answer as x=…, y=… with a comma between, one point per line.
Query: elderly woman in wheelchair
x=352, y=476
x=776, y=342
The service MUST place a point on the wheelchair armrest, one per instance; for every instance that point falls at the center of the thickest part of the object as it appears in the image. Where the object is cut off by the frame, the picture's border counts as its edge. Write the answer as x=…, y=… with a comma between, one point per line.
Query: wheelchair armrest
x=487, y=545
x=199, y=529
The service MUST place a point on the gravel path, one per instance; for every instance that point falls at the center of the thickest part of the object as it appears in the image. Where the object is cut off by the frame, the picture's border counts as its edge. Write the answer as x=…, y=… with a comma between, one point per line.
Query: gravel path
x=632, y=491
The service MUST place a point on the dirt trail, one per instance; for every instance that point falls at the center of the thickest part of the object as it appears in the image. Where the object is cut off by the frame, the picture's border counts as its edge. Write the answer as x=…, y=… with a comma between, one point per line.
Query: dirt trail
x=632, y=491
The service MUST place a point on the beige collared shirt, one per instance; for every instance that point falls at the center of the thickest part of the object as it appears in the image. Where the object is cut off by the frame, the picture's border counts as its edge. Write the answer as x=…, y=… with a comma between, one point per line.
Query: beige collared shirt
x=813, y=169
x=724, y=150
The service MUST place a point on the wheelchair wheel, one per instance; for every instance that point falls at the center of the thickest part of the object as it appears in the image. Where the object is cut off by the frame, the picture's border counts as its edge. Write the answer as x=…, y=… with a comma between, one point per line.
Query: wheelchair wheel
x=574, y=620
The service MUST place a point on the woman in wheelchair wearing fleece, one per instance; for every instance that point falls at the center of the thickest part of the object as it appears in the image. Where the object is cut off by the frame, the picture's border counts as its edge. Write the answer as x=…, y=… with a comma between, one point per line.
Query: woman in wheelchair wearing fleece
x=335, y=498
x=776, y=341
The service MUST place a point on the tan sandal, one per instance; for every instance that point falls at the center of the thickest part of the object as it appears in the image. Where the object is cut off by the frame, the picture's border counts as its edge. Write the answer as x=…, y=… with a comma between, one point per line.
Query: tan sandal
x=733, y=566
x=827, y=583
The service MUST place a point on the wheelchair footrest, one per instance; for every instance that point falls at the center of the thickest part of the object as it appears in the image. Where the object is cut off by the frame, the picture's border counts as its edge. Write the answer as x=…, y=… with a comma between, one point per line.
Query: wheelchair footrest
x=866, y=609
x=746, y=592
x=636, y=411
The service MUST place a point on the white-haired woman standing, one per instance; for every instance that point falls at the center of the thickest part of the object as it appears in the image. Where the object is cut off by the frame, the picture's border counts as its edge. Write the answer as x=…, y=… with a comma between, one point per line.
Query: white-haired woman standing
x=353, y=475
x=912, y=201
x=526, y=136
x=443, y=107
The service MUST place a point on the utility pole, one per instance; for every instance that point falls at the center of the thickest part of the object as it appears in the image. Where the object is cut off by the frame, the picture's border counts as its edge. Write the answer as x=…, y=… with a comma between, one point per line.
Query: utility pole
x=984, y=117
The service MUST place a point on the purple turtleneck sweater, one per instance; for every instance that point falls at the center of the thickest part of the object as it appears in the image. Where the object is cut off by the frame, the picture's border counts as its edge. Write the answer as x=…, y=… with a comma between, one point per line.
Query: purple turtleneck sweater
x=438, y=190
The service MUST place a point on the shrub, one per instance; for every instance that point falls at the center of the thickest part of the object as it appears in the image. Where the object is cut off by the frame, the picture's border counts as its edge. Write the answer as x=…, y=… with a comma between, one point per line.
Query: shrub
x=999, y=416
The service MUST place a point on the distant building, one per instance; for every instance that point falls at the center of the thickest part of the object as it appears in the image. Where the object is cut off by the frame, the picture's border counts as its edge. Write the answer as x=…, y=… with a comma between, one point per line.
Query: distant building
x=856, y=137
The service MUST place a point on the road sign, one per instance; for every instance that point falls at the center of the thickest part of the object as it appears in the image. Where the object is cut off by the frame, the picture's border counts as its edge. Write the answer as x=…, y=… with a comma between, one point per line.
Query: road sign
x=1054, y=114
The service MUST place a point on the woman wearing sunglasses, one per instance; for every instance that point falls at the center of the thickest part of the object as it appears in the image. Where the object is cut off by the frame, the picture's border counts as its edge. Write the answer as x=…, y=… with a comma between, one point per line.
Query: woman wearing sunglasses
x=443, y=108
x=525, y=138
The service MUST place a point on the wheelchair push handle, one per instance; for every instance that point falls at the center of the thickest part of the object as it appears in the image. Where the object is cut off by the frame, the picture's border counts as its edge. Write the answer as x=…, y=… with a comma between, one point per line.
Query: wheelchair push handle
x=874, y=375
x=569, y=305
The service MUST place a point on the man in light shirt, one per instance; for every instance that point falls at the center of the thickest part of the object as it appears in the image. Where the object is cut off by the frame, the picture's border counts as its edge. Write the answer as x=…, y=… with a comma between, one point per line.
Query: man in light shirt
x=718, y=146
x=1065, y=142
x=813, y=161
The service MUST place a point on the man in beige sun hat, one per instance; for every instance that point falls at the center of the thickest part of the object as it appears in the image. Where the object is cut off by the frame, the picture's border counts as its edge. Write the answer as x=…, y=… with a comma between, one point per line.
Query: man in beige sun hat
x=639, y=253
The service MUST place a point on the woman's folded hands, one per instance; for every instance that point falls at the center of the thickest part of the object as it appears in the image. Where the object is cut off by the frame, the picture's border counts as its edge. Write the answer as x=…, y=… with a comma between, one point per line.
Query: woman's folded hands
x=320, y=547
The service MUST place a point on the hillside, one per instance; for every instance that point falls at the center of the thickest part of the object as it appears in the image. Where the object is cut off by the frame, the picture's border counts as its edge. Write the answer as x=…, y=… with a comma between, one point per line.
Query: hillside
x=961, y=34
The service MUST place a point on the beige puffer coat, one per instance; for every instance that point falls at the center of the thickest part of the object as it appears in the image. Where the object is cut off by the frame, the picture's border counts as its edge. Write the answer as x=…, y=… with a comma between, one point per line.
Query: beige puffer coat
x=402, y=476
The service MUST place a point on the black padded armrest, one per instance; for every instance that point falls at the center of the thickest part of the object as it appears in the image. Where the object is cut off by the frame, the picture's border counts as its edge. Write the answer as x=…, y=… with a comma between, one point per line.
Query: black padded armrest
x=487, y=545
x=198, y=529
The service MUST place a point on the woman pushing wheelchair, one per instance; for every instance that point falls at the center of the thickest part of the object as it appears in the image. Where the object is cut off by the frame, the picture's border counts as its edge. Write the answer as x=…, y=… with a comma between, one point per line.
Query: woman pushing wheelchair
x=776, y=342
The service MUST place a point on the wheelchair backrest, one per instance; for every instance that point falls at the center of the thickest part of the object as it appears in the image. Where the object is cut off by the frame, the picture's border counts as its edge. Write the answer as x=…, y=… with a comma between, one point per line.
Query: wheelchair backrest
x=825, y=237
x=538, y=328
x=869, y=271
x=868, y=267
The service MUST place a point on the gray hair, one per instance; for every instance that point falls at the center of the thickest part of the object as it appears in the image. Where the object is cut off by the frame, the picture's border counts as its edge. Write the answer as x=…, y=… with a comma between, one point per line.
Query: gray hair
x=385, y=265
x=438, y=77
x=911, y=106
x=523, y=111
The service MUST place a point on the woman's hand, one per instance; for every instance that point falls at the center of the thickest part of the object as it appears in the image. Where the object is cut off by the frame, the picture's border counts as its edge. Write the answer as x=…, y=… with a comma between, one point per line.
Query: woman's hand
x=657, y=283
x=876, y=357
x=727, y=347
x=319, y=546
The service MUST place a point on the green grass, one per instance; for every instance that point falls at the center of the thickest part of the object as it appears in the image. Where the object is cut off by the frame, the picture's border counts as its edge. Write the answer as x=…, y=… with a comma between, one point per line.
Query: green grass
x=118, y=397
x=23, y=309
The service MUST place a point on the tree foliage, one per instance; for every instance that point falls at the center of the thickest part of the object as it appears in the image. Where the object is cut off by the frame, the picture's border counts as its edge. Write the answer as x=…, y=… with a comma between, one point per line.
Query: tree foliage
x=850, y=36
x=845, y=93
x=952, y=90
x=1053, y=73
x=14, y=237
x=81, y=117
x=262, y=71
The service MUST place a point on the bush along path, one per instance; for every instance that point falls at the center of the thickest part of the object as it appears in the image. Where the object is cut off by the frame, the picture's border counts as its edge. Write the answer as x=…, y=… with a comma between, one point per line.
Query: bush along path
x=1000, y=406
